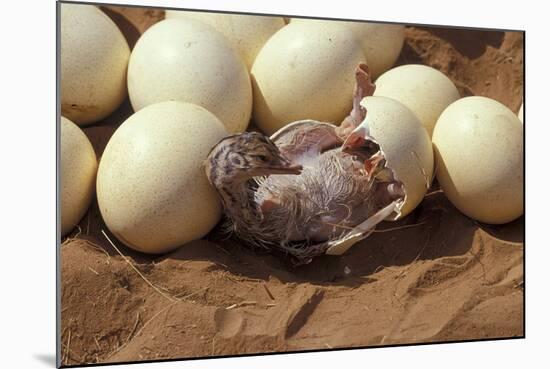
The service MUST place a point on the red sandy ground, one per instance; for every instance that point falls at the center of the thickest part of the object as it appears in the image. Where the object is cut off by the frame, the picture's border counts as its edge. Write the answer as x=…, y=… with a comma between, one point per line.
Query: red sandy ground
x=448, y=278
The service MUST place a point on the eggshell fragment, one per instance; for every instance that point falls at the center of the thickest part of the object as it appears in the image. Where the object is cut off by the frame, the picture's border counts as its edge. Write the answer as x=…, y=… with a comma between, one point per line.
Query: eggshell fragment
x=78, y=173
x=152, y=190
x=381, y=43
x=94, y=58
x=247, y=33
x=479, y=151
x=424, y=90
x=406, y=147
x=189, y=61
x=305, y=71
x=520, y=113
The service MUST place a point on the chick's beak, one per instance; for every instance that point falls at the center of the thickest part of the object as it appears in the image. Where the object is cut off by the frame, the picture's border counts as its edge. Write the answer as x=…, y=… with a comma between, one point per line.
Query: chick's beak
x=282, y=165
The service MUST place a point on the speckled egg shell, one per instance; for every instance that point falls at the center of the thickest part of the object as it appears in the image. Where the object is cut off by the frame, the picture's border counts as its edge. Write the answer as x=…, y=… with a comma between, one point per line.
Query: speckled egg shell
x=151, y=187
x=381, y=43
x=479, y=151
x=424, y=90
x=247, y=33
x=189, y=61
x=94, y=58
x=305, y=71
x=78, y=173
x=405, y=144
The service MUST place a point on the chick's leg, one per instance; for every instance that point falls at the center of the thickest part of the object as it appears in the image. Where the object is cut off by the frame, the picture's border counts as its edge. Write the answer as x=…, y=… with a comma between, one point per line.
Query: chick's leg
x=363, y=87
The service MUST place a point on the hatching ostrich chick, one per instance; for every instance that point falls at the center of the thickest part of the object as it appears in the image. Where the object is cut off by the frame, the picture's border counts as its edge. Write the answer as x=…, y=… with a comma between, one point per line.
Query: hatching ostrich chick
x=308, y=185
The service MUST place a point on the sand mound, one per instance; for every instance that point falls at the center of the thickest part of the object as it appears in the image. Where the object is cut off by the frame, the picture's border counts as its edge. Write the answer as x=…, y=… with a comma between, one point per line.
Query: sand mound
x=442, y=277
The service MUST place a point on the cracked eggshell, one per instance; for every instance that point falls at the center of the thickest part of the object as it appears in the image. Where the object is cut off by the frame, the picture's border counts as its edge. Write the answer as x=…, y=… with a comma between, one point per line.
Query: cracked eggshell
x=424, y=90
x=94, y=59
x=247, y=33
x=189, y=61
x=152, y=190
x=78, y=173
x=406, y=146
x=381, y=43
x=479, y=151
x=305, y=71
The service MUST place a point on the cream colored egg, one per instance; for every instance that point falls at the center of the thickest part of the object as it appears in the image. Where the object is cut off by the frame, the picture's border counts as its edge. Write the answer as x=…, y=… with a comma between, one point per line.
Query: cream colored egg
x=424, y=90
x=151, y=187
x=94, y=59
x=479, y=151
x=189, y=61
x=247, y=33
x=405, y=144
x=381, y=43
x=305, y=71
x=78, y=173
x=520, y=113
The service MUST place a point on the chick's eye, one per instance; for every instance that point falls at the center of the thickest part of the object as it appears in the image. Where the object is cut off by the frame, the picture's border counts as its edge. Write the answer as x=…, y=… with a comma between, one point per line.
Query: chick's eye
x=236, y=160
x=261, y=158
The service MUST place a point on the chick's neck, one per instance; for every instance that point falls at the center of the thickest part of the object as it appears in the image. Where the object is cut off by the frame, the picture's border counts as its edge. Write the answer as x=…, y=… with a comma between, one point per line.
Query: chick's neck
x=238, y=201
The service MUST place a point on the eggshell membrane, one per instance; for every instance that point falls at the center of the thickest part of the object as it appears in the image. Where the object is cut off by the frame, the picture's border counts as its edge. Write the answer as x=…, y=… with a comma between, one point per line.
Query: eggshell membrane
x=479, y=151
x=247, y=33
x=405, y=144
x=152, y=190
x=520, y=113
x=94, y=59
x=381, y=43
x=424, y=90
x=189, y=61
x=78, y=173
x=305, y=71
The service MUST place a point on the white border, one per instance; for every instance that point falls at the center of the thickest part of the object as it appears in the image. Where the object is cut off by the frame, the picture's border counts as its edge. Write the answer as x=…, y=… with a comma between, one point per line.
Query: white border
x=27, y=187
